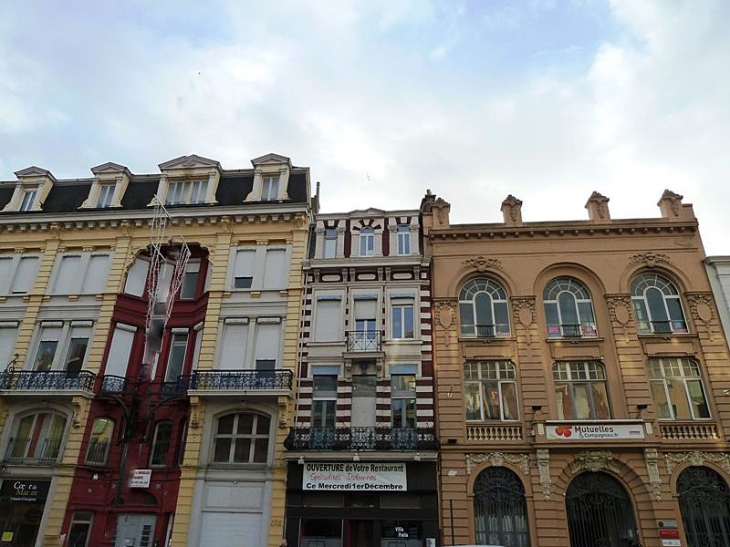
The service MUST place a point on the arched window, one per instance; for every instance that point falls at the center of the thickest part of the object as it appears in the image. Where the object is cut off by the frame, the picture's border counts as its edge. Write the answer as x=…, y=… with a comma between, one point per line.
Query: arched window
x=500, y=510
x=568, y=309
x=704, y=502
x=599, y=512
x=241, y=438
x=100, y=441
x=490, y=391
x=483, y=309
x=657, y=305
x=580, y=390
x=37, y=437
x=367, y=242
x=676, y=385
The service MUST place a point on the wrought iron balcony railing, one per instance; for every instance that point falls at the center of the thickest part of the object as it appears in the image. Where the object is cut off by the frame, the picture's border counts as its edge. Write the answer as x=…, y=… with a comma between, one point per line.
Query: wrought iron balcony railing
x=24, y=450
x=362, y=439
x=243, y=380
x=47, y=380
x=113, y=385
x=178, y=388
x=97, y=453
x=364, y=340
x=485, y=331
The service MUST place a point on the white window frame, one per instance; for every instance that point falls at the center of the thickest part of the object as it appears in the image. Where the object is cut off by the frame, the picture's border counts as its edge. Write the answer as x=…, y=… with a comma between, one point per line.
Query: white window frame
x=328, y=297
x=270, y=187
x=105, y=197
x=80, y=282
x=329, y=243
x=155, y=441
x=498, y=372
x=234, y=437
x=81, y=518
x=63, y=343
x=398, y=306
x=9, y=333
x=175, y=342
x=186, y=192
x=366, y=243
x=403, y=233
x=665, y=371
x=27, y=200
x=42, y=433
x=9, y=285
x=191, y=268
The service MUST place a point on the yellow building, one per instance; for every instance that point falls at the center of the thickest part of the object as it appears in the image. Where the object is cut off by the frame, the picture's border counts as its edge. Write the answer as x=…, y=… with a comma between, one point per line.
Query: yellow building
x=150, y=350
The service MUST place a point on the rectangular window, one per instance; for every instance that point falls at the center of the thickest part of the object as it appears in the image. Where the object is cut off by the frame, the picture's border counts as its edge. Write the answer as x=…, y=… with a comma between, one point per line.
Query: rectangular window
x=80, y=530
x=106, y=193
x=120, y=350
x=324, y=401
x=402, y=309
x=8, y=335
x=17, y=273
x=234, y=345
x=367, y=242
x=161, y=444
x=243, y=268
x=190, y=280
x=490, y=391
x=28, y=199
x=67, y=275
x=184, y=193
x=83, y=273
x=403, y=400
x=270, y=189
x=404, y=240
x=76, y=353
x=328, y=319
x=267, y=343
x=137, y=277
x=176, y=360
x=97, y=271
x=276, y=270
x=330, y=243
x=47, y=346
x=100, y=440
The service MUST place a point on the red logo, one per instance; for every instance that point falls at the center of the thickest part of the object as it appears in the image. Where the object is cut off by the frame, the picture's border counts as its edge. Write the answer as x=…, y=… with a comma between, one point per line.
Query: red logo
x=564, y=431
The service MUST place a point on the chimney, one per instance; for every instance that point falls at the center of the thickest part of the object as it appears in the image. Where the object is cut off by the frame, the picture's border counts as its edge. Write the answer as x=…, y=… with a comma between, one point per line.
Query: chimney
x=512, y=211
x=435, y=211
x=597, y=206
x=672, y=207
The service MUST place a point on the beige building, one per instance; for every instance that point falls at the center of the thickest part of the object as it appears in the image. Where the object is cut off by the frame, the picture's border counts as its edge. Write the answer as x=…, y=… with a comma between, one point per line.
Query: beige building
x=582, y=379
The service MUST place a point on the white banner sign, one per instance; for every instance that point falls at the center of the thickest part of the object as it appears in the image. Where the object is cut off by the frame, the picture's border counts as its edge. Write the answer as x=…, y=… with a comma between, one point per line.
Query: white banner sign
x=140, y=478
x=579, y=432
x=355, y=476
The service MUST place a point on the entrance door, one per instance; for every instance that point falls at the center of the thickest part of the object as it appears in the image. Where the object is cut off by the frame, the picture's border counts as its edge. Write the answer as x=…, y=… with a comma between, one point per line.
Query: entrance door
x=704, y=501
x=362, y=417
x=135, y=530
x=599, y=512
x=360, y=533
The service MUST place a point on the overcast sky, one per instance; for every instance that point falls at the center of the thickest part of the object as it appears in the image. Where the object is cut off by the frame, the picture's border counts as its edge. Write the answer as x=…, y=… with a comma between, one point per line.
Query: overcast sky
x=547, y=100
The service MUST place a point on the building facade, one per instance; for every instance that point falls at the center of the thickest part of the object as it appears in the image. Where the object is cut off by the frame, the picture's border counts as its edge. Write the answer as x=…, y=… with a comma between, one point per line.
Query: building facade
x=362, y=455
x=581, y=380
x=127, y=417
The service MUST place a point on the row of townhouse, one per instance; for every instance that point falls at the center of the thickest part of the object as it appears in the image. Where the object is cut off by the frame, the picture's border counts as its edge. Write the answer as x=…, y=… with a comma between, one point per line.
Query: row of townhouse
x=201, y=357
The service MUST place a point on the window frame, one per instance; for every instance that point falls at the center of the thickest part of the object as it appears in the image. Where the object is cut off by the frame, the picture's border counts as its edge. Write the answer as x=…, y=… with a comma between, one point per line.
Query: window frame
x=270, y=187
x=77, y=519
x=366, y=241
x=160, y=449
x=406, y=399
x=36, y=432
x=589, y=367
x=403, y=239
x=27, y=204
x=234, y=437
x=468, y=299
x=176, y=344
x=95, y=443
x=186, y=192
x=326, y=400
x=63, y=344
x=582, y=304
x=105, y=195
x=399, y=318
x=680, y=364
x=645, y=321
x=329, y=243
x=80, y=280
x=503, y=373
x=13, y=280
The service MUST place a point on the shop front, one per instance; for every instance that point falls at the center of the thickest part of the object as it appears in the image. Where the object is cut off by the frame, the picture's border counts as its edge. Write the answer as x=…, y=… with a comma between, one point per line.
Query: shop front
x=362, y=504
x=21, y=509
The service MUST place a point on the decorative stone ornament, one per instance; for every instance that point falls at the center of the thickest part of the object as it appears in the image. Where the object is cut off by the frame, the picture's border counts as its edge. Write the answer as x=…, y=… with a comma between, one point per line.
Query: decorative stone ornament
x=482, y=264
x=650, y=259
x=497, y=459
x=592, y=460
x=697, y=458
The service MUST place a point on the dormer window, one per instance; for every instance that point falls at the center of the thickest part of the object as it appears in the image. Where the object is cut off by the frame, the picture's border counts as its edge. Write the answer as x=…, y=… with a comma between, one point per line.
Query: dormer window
x=270, y=189
x=28, y=199
x=106, y=193
x=186, y=192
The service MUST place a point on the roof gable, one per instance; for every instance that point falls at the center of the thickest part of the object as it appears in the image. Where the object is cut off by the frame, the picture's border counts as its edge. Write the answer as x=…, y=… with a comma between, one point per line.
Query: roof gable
x=34, y=171
x=109, y=167
x=187, y=162
x=271, y=159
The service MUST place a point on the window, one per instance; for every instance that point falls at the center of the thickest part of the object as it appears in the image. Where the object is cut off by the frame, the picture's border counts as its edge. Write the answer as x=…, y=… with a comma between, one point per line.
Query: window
x=8, y=335
x=73, y=340
x=568, y=309
x=330, y=243
x=186, y=193
x=161, y=444
x=82, y=273
x=176, y=359
x=490, y=391
x=268, y=333
x=483, y=309
x=324, y=400
x=677, y=389
x=120, y=350
x=137, y=277
x=500, y=509
x=328, y=318
x=365, y=337
x=190, y=280
x=17, y=273
x=657, y=305
x=580, y=391
x=80, y=529
x=243, y=268
x=276, y=269
x=234, y=345
x=242, y=438
x=404, y=240
x=403, y=400
x=37, y=437
x=402, y=309
x=367, y=242
x=270, y=189
x=106, y=193
x=28, y=200
x=100, y=440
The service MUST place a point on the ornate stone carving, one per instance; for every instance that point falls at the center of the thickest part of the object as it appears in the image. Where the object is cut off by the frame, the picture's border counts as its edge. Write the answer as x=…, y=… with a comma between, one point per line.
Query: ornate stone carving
x=650, y=259
x=514, y=206
x=482, y=264
x=651, y=455
x=445, y=310
x=592, y=460
x=619, y=306
x=543, y=466
x=674, y=199
x=697, y=458
x=700, y=305
x=497, y=459
x=524, y=309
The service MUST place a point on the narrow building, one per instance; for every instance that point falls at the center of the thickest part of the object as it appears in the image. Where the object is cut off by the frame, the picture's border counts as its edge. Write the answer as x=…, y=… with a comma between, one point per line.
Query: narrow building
x=582, y=377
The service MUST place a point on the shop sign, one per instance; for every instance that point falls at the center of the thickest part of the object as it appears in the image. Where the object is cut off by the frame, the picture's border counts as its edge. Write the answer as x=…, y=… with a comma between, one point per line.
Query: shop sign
x=671, y=543
x=583, y=431
x=355, y=476
x=140, y=478
x=24, y=490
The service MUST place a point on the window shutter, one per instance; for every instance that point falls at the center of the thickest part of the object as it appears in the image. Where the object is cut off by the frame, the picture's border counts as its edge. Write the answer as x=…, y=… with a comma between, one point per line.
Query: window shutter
x=233, y=352
x=243, y=267
x=366, y=309
x=8, y=334
x=25, y=274
x=137, y=277
x=120, y=350
x=96, y=274
x=67, y=275
x=328, y=321
x=267, y=341
x=276, y=270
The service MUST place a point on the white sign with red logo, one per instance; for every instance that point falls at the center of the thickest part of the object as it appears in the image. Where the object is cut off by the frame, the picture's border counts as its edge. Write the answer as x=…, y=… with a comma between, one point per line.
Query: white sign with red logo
x=594, y=431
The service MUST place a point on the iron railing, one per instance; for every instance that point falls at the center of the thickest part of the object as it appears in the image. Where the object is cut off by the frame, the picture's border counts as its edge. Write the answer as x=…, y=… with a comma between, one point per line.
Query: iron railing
x=113, y=385
x=27, y=450
x=177, y=388
x=485, y=331
x=97, y=453
x=253, y=380
x=364, y=340
x=362, y=439
x=47, y=380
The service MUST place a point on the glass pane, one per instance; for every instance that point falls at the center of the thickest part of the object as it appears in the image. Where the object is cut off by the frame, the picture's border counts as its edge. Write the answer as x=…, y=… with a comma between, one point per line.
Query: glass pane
x=46, y=353
x=245, y=424
x=678, y=397
x=509, y=400
x=242, y=450
x=660, y=399
x=585, y=310
x=76, y=353
x=642, y=318
x=491, y=401
x=483, y=303
x=222, y=450
x=225, y=424
x=655, y=300
x=261, y=450
x=408, y=322
x=262, y=425
x=600, y=401
x=697, y=396
x=471, y=399
x=397, y=322
x=325, y=383
x=582, y=402
x=568, y=311
x=501, y=318
x=467, y=319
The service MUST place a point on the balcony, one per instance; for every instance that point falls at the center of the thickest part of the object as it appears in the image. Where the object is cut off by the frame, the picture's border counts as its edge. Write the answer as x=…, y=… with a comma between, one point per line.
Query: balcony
x=24, y=450
x=47, y=382
x=362, y=439
x=494, y=432
x=662, y=327
x=364, y=341
x=113, y=385
x=97, y=453
x=584, y=330
x=176, y=389
x=226, y=382
x=485, y=331
x=689, y=431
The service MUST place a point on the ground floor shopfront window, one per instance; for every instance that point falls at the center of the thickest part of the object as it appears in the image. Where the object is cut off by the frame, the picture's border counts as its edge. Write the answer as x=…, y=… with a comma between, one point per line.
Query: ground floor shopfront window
x=21, y=510
x=360, y=533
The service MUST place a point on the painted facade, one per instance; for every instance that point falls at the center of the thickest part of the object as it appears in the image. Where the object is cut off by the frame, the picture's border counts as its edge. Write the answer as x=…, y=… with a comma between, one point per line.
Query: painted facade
x=581, y=380
x=113, y=414
x=362, y=453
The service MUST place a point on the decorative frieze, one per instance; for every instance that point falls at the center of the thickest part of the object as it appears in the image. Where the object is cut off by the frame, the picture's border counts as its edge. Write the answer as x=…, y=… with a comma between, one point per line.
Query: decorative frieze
x=697, y=459
x=497, y=459
x=650, y=259
x=651, y=456
x=482, y=264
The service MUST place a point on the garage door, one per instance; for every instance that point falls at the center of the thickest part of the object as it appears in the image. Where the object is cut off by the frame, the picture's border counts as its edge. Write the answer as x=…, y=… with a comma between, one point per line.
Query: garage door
x=231, y=529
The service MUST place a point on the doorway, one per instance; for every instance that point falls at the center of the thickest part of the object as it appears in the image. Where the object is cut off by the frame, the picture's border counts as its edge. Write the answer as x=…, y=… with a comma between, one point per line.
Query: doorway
x=135, y=530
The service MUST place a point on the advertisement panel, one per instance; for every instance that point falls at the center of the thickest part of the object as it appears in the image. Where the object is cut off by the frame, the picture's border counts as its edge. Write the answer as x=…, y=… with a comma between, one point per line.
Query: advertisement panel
x=355, y=476
x=594, y=432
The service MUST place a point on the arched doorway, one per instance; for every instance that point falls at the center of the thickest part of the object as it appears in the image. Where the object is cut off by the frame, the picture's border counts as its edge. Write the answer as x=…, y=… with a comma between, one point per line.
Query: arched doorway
x=500, y=509
x=600, y=513
x=704, y=502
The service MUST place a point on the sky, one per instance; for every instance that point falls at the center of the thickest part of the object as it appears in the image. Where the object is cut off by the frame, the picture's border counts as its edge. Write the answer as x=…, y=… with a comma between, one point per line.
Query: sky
x=547, y=100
